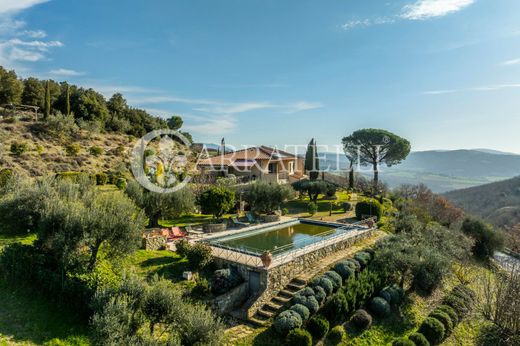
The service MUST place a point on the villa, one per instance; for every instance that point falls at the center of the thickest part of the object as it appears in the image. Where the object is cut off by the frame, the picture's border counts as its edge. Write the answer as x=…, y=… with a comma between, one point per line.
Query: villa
x=262, y=163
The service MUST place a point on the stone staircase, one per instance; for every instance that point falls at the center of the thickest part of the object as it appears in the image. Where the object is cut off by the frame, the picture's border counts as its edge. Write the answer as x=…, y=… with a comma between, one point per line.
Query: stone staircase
x=277, y=303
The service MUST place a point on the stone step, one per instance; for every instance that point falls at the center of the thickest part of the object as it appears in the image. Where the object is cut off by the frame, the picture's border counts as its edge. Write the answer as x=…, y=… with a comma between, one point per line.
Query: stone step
x=281, y=300
x=294, y=288
x=272, y=306
x=258, y=321
x=266, y=314
x=299, y=281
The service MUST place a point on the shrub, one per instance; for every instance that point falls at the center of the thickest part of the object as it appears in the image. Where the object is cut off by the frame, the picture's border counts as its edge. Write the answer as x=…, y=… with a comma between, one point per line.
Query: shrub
x=121, y=183
x=101, y=178
x=457, y=304
x=331, y=190
x=391, y=295
x=336, y=307
x=446, y=321
x=335, y=278
x=298, y=337
x=312, y=208
x=309, y=301
x=336, y=335
x=465, y=293
x=182, y=246
x=487, y=241
x=346, y=207
x=429, y=273
x=370, y=251
x=419, y=339
x=224, y=280
x=307, y=291
x=450, y=312
x=320, y=294
x=403, y=342
x=266, y=198
x=379, y=307
x=199, y=256
x=363, y=258
x=433, y=330
x=324, y=283
x=369, y=208
x=285, y=211
x=216, y=201
x=202, y=287
x=302, y=310
x=355, y=263
x=318, y=326
x=361, y=319
x=6, y=177
x=72, y=149
x=18, y=148
x=286, y=321
x=39, y=148
x=96, y=151
x=345, y=269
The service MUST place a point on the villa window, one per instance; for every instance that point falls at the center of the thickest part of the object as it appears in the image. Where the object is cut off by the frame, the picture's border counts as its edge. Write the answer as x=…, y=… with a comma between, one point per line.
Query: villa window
x=291, y=167
x=272, y=168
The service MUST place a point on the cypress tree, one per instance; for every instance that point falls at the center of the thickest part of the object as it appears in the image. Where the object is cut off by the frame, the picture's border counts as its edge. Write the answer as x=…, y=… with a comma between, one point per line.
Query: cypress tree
x=351, y=181
x=312, y=161
x=67, y=100
x=47, y=109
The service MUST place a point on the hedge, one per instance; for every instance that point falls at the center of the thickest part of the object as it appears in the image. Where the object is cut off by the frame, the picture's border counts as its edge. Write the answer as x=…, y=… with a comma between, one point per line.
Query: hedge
x=309, y=301
x=286, y=321
x=446, y=321
x=345, y=269
x=335, y=278
x=325, y=283
x=433, y=330
x=318, y=326
x=320, y=294
x=369, y=208
x=298, y=337
x=302, y=310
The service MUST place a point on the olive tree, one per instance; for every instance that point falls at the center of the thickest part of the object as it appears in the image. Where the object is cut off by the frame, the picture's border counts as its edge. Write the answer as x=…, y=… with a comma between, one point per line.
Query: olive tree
x=375, y=146
x=216, y=201
x=267, y=197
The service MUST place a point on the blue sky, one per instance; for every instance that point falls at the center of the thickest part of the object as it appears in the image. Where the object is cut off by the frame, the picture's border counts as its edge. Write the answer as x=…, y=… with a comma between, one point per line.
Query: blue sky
x=443, y=73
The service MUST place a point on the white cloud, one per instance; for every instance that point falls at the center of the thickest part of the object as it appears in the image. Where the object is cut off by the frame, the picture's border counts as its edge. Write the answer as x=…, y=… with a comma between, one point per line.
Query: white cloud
x=511, y=62
x=234, y=108
x=497, y=87
x=16, y=50
x=426, y=9
x=301, y=106
x=66, y=72
x=491, y=87
x=213, y=125
x=440, y=92
x=11, y=6
x=33, y=33
x=363, y=23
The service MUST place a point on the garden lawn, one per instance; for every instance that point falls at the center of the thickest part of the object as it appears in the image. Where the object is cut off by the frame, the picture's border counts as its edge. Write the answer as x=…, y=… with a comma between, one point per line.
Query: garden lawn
x=26, y=319
x=147, y=263
x=6, y=239
x=298, y=207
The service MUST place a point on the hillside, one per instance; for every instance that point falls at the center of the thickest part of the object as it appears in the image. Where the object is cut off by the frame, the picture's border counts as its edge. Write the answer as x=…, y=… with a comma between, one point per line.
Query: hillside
x=498, y=203
x=445, y=170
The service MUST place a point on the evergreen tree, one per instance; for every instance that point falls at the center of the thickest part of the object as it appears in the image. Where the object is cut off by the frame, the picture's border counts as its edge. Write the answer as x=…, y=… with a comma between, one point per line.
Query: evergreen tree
x=67, y=100
x=312, y=161
x=47, y=107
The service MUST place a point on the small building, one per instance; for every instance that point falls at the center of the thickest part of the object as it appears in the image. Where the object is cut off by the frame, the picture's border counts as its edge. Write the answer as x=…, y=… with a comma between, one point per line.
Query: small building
x=255, y=163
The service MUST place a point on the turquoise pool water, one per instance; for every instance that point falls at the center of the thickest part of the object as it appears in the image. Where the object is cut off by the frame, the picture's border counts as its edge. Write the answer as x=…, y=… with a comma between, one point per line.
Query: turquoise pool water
x=279, y=239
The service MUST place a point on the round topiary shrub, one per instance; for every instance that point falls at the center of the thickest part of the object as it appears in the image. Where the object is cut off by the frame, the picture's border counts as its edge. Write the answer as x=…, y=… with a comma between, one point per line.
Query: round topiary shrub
x=361, y=319
x=345, y=269
x=308, y=301
x=379, y=307
x=307, y=291
x=336, y=307
x=336, y=335
x=325, y=283
x=301, y=310
x=465, y=293
x=318, y=326
x=355, y=263
x=403, y=342
x=335, y=278
x=370, y=251
x=391, y=295
x=449, y=310
x=320, y=294
x=346, y=207
x=369, y=208
x=419, y=339
x=287, y=321
x=433, y=330
x=457, y=304
x=363, y=258
x=446, y=321
x=298, y=337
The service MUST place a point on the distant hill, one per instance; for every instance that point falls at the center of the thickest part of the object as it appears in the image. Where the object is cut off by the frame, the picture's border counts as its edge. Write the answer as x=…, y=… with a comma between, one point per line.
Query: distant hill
x=444, y=170
x=498, y=203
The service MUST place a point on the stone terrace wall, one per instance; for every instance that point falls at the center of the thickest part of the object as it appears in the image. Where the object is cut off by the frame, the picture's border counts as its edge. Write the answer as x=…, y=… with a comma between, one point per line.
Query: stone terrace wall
x=232, y=299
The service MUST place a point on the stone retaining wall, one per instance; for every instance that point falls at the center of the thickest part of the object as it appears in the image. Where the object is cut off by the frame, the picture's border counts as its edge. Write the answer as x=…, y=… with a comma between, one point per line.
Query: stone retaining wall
x=226, y=302
x=154, y=243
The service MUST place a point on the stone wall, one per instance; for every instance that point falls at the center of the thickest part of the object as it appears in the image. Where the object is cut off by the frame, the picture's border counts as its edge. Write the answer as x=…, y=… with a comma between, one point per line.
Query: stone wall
x=154, y=243
x=226, y=302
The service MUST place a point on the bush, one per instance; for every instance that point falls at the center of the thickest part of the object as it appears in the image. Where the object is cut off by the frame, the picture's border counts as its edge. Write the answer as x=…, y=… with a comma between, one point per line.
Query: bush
x=335, y=278
x=307, y=291
x=6, y=177
x=96, y=151
x=18, y=148
x=355, y=263
x=202, y=287
x=72, y=149
x=446, y=321
x=346, y=207
x=487, y=241
x=216, y=201
x=331, y=190
x=379, y=307
x=363, y=258
x=419, y=339
x=335, y=308
x=345, y=269
x=429, y=273
x=320, y=294
x=457, y=304
x=312, y=208
x=39, y=148
x=286, y=321
x=391, y=295
x=309, y=301
x=366, y=209
x=361, y=319
x=266, y=198
x=323, y=282
x=298, y=337
x=199, y=256
x=302, y=310
x=465, y=294
x=182, y=247
x=336, y=335
x=101, y=178
x=121, y=183
x=318, y=326
x=224, y=280
x=450, y=312
x=403, y=342
x=433, y=330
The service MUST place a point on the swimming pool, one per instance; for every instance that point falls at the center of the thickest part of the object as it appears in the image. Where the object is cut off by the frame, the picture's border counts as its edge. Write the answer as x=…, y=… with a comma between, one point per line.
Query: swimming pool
x=279, y=238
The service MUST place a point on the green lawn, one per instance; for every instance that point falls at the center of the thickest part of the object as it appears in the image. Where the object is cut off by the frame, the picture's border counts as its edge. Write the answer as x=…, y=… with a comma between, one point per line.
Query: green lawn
x=26, y=319
x=6, y=239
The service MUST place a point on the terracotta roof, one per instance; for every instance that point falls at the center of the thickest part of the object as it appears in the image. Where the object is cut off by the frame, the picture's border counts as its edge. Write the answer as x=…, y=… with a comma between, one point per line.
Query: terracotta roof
x=254, y=153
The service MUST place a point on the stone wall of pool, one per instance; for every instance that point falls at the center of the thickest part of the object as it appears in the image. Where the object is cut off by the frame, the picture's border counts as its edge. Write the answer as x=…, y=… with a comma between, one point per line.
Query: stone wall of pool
x=264, y=283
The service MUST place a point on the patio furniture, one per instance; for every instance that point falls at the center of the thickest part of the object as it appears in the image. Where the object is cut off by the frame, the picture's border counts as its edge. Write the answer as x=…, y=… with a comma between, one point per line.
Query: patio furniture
x=235, y=222
x=251, y=218
x=188, y=229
